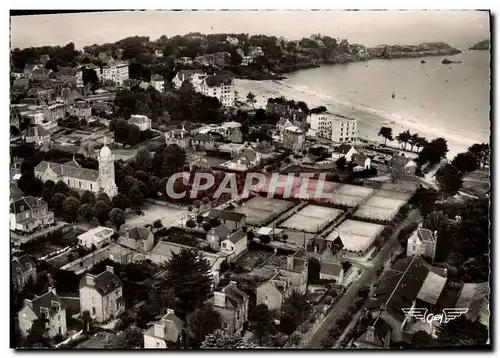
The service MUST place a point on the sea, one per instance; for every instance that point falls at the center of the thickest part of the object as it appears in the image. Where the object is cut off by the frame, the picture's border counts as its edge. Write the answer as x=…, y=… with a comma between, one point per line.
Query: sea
x=432, y=99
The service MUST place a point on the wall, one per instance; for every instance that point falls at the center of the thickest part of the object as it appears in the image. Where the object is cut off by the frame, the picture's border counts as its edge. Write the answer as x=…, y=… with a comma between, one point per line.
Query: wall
x=154, y=343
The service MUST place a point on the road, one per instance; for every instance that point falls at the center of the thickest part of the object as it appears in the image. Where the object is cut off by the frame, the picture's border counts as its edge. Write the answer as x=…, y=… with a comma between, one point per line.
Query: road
x=366, y=278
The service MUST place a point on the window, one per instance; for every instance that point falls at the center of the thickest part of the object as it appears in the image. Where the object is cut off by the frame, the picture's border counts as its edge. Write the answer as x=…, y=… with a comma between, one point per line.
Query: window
x=224, y=245
x=414, y=248
x=90, y=186
x=58, y=318
x=93, y=311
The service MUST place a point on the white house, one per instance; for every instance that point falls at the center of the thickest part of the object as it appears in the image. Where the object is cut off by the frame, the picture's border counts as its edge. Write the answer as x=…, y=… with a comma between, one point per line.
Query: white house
x=193, y=76
x=235, y=244
x=116, y=72
x=219, y=86
x=361, y=162
x=141, y=121
x=345, y=150
x=168, y=330
x=99, y=237
x=158, y=82
x=422, y=242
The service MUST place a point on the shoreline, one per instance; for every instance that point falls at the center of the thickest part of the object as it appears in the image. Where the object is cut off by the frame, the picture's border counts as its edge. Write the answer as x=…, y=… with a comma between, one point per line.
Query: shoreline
x=369, y=119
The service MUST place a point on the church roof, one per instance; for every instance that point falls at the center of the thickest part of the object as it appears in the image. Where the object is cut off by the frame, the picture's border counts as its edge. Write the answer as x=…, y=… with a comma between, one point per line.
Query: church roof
x=69, y=171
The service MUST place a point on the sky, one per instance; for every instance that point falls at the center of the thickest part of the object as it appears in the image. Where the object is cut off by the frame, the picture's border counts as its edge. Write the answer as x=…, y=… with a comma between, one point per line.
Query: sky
x=370, y=28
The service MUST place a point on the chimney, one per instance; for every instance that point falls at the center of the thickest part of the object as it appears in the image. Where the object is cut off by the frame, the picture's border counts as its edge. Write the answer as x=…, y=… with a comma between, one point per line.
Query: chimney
x=219, y=299
x=110, y=269
x=370, y=334
x=52, y=289
x=435, y=234
x=289, y=263
x=27, y=302
x=90, y=279
x=127, y=233
x=420, y=224
x=232, y=283
x=169, y=311
x=159, y=330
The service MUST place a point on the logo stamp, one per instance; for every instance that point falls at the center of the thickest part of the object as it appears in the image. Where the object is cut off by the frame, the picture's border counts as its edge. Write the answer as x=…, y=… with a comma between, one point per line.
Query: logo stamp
x=448, y=314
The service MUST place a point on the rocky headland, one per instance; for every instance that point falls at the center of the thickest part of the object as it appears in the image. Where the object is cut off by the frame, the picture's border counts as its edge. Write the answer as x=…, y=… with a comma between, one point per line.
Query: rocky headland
x=483, y=45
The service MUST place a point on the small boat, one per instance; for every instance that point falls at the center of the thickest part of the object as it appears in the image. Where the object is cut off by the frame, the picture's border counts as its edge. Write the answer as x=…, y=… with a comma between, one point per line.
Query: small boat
x=393, y=95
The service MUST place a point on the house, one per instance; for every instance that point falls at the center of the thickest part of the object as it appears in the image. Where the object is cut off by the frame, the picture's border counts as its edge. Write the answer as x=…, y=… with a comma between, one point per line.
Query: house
x=236, y=136
x=29, y=213
x=158, y=82
x=272, y=232
x=45, y=95
x=97, y=237
x=158, y=53
x=235, y=245
x=232, y=40
x=331, y=271
x=203, y=141
x=376, y=336
x=167, y=332
x=293, y=138
x=422, y=242
x=411, y=282
x=347, y=151
x=102, y=295
x=82, y=109
x=328, y=254
x=232, y=305
x=274, y=291
x=37, y=135
x=41, y=74
x=232, y=219
x=141, y=121
x=54, y=111
x=69, y=75
x=247, y=159
x=255, y=51
x=185, y=61
x=216, y=235
x=361, y=162
x=23, y=268
x=401, y=166
x=193, y=76
x=220, y=86
x=81, y=178
x=179, y=137
x=295, y=268
x=115, y=71
x=138, y=238
x=246, y=60
x=48, y=306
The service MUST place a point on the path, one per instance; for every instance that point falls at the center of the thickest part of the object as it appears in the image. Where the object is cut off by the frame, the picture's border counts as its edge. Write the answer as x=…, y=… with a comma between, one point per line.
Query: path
x=367, y=277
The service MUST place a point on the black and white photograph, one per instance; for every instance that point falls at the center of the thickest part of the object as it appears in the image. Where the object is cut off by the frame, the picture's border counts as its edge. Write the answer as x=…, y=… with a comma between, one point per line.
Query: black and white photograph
x=250, y=180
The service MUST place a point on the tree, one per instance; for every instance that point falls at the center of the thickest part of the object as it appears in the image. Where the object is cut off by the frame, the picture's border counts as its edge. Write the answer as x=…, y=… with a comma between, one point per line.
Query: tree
x=295, y=309
x=463, y=332
x=29, y=184
x=130, y=338
x=386, y=133
x=265, y=239
x=422, y=142
x=88, y=197
x=61, y=187
x=121, y=201
x=435, y=220
x=37, y=334
x=403, y=137
x=136, y=196
x=105, y=198
x=188, y=273
x=101, y=211
x=262, y=322
x=251, y=99
x=117, y=217
x=157, y=224
x=313, y=270
x=422, y=339
x=413, y=140
x=341, y=163
x=482, y=153
x=450, y=179
x=70, y=208
x=203, y=321
x=466, y=162
x=57, y=202
x=221, y=339
x=85, y=211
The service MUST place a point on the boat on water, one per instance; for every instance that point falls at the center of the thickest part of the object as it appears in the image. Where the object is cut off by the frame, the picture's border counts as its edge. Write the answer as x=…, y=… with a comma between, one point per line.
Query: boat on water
x=393, y=95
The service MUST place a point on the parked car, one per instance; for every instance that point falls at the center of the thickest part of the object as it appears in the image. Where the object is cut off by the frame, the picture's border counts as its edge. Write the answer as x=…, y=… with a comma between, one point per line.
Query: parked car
x=140, y=212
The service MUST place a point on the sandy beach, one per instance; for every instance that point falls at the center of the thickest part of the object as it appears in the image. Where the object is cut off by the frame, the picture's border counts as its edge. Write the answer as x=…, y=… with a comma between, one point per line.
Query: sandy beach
x=369, y=121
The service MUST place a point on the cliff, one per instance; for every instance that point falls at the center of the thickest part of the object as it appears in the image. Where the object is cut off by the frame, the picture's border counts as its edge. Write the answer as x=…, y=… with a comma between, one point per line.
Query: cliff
x=483, y=45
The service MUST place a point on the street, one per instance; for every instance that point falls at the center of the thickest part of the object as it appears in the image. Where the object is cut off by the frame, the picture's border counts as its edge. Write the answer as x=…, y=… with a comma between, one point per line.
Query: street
x=366, y=278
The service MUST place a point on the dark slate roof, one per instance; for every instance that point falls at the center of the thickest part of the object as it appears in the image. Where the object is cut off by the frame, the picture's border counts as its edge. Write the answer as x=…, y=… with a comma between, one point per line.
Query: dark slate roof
x=399, y=161
x=173, y=326
x=22, y=263
x=104, y=283
x=400, y=286
x=237, y=236
x=139, y=233
x=218, y=80
x=425, y=234
x=221, y=231
x=234, y=294
x=82, y=104
x=67, y=71
x=27, y=203
x=69, y=171
x=48, y=301
x=359, y=159
x=226, y=215
x=344, y=148
x=337, y=245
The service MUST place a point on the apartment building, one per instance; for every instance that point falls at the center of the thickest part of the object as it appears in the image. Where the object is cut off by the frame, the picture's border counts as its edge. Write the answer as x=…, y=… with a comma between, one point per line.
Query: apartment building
x=116, y=72
x=219, y=86
x=334, y=128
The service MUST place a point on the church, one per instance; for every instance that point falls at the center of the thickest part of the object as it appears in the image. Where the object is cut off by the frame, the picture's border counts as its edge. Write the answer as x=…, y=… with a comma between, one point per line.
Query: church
x=76, y=177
